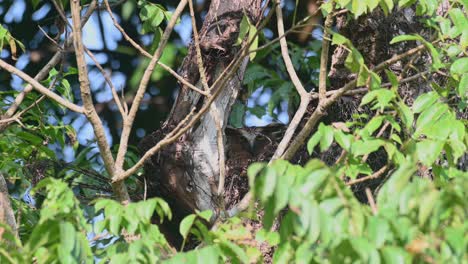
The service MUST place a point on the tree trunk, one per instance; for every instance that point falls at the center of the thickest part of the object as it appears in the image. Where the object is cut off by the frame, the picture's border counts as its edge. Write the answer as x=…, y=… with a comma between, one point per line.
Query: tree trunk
x=7, y=216
x=186, y=173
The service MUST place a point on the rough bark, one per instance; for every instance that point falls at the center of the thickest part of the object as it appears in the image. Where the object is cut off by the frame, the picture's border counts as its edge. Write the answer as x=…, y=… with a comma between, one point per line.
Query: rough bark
x=186, y=173
x=7, y=216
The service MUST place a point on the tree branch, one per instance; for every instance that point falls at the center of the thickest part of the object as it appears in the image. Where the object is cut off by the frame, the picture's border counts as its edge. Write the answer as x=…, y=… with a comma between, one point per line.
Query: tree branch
x=119, y=188
x=305, y=97
x=374, y=175
x=285, y=53
x=45, y=70
x=40, y=88
x=323, y=105
x=324, y=54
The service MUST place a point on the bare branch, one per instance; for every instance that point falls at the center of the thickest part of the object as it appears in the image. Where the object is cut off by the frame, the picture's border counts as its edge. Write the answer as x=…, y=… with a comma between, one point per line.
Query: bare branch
x=323, y=105
x=40, y=88
x=90, y=112
x=201, y=68
x=45, y=70
x=324, y=54
x=285, y=53
x=305, y=97
x=374, y=175
x=371, y=200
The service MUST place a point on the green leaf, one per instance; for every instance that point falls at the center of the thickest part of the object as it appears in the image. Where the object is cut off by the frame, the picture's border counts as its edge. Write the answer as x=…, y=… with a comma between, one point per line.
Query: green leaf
x=372, y=126
x=424, y=101
x=269, y=184
x=67, y=241
x=114, y=223
x=327, y=137
x=343, y=3
x=358, y=7
x=314, y=140
x=428, y=151
x=234, y=251
x=392, y=254
x=459, y=67
x=314, y=224
x=236, y=118
x=339, y=39
x=35, y=140
x=186, y=225
x=35, y=3
x=378, y=231
x=344, y=140
x=356, y=168
x=253, y=171
x=459, y=20
x=283, y=254
x=243, y=29
x=208, y=254
x=429, y=117
x=406, y=115
x=372, y=4
x=463, y=86
x=387, y=6
x=392, y=78
x=207, y=214
x=427, y=206
x=361, y=147
x=405, y=3
x=253, y=37
x=271, y=237
x=405, y=38
x=255, y=73
x=65, y=90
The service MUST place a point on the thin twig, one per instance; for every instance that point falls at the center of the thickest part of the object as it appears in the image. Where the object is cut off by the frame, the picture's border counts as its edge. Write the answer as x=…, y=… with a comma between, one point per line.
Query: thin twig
x=374, y=175
x=109, y=82
x=285, y=53
x=370, y=199
x=146, y=54
x=49, y=38
x=201, y=68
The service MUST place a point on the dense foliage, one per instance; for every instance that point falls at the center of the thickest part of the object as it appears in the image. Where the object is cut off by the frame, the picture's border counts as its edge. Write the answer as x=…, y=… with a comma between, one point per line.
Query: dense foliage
x=310, y=215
